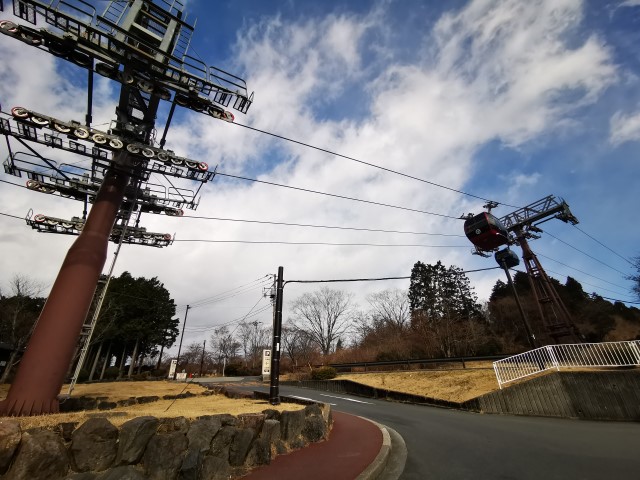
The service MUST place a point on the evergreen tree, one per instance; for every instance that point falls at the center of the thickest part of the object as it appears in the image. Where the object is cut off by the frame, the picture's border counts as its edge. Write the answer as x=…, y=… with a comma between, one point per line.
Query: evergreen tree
x=437, y=291
x=636, y=278
x=137, y=318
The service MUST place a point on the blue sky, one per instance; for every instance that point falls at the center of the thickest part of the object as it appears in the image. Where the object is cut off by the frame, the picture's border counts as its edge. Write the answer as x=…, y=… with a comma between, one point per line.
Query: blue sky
x=510, y=100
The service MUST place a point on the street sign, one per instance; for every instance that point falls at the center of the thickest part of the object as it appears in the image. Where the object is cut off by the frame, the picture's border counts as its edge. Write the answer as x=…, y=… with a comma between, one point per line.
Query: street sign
x=172, y=368
x=266, y=365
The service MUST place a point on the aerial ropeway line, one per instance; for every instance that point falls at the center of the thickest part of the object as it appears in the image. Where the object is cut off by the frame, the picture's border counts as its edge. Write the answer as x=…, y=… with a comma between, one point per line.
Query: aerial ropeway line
x=488, y=233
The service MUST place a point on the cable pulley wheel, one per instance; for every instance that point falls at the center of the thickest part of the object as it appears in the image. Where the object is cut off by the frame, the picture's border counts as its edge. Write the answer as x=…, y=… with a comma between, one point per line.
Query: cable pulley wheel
x=20, y=112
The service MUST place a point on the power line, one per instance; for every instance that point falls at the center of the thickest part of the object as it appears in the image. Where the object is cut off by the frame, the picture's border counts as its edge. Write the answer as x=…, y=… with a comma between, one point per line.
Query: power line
x=599, y=242
x=586, y=283
x=616, y=300
x=309, y=225
x=379, y=279
x=585, y=253
x=581, y=271
x=265, y=242
x=353, y=199
x=260, y=279
x=231, y=294
x=203, y=329
x=622, y=301
x=379, y=167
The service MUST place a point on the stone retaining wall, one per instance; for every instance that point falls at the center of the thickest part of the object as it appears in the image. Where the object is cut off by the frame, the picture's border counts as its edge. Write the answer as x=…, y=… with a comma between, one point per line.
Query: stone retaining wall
x=211, y=447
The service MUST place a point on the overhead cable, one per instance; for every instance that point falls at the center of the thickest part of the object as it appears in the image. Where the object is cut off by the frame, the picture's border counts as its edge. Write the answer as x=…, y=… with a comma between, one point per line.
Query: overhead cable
x=266, y=242
x=379, y=167
x=225, y=292
x=599, y=242
x=585, y=253
x=587, y=283
x=353, y=199
x=378, y=279
x=578, y=270
x=309, y=225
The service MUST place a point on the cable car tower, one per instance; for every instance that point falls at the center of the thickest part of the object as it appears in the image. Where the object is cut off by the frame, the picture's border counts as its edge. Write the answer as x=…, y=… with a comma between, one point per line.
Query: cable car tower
x=488, y=233
x=143, y=45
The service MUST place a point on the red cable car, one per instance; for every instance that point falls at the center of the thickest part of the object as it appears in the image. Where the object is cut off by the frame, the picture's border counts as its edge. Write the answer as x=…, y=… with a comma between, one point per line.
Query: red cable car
x=485, y=231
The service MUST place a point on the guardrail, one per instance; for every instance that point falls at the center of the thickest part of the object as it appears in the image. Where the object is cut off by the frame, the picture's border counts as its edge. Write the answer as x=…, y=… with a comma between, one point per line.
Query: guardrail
x=582, y=355
x=406, y=363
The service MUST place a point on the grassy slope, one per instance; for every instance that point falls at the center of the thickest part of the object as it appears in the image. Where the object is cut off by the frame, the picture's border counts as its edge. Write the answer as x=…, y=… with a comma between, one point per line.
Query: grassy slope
x=453, y=385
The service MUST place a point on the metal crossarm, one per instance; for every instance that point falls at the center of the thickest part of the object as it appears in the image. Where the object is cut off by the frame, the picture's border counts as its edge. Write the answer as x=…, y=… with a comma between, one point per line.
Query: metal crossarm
x=132, y=235
x=543, y=209
x=119, y=38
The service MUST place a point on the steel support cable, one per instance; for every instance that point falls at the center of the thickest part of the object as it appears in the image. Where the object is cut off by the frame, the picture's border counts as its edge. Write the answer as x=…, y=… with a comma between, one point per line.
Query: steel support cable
x=607, y=298
x=585, y=253
x=379, y=167
x=622, y=301
x=265, y=222
x=334, y=195
x=587, y=283
x=600, y=243
x=378, y=279
x=578, y=270
x=11, y=216
x=265, y=242
x=310, y=225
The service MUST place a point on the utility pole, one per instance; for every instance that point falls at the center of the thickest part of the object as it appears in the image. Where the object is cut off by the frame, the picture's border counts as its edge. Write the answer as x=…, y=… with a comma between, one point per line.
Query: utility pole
x=186, y=312
x=202, y=357
x=274, y=388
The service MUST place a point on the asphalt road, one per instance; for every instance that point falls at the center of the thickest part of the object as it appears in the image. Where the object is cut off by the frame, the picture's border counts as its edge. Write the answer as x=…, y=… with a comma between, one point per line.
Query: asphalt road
x=451, y=445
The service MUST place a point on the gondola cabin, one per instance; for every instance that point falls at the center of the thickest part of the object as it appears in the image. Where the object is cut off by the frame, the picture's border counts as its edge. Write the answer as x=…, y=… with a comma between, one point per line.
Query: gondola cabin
x=485, y=231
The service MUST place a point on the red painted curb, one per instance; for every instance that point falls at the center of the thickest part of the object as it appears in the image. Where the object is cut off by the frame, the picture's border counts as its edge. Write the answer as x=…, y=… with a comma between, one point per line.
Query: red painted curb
x=352, y=446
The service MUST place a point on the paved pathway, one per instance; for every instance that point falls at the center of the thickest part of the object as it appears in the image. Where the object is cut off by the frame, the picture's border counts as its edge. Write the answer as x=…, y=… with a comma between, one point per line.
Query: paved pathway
x=353, y=444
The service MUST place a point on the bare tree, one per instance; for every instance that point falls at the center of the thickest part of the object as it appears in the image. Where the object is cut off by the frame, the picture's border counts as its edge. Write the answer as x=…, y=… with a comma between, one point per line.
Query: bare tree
x=325, y=314
x=390, y=307
x=224, y=346
x=18, y=317
x=253, y=339
x=298, y=345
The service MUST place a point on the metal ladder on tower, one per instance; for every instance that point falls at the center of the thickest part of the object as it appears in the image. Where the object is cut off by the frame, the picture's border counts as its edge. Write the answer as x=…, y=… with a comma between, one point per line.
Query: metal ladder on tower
x=113, y=13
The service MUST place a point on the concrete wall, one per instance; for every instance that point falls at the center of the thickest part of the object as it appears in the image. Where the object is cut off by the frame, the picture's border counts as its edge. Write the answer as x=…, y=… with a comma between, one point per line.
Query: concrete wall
x=596, y=395
x=589, y=395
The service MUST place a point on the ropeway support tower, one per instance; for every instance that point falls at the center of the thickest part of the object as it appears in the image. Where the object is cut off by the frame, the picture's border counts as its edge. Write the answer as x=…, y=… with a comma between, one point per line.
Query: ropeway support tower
x=144, y=46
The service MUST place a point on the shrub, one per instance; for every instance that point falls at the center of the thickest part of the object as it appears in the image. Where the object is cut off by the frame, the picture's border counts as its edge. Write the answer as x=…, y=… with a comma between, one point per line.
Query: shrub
x=323, y=373
x=235, y=370
x=159, y=373
x=111, y=373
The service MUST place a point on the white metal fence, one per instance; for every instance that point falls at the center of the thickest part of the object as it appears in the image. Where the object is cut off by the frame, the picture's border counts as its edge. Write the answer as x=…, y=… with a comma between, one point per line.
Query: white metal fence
x=581, y=355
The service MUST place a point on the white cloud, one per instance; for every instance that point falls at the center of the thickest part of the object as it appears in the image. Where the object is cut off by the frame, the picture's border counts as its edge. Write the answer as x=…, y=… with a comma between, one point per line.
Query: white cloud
x=624, y=128
x=493, y=70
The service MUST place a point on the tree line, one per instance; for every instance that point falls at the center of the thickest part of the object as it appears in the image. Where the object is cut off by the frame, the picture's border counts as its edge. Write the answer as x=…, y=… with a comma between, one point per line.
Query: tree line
x=437, y=316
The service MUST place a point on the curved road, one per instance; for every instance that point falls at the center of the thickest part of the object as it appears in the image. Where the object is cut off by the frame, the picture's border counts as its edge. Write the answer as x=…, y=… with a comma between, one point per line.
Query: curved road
x=450, y=444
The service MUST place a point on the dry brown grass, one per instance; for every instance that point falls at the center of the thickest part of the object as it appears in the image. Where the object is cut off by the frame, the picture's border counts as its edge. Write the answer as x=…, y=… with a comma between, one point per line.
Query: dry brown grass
x=452, y=385
x=185, y=407
x=115, y=391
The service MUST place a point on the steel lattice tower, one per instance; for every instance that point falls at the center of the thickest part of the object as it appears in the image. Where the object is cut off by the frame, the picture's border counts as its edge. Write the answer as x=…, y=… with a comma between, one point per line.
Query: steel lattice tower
x=143, y=45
